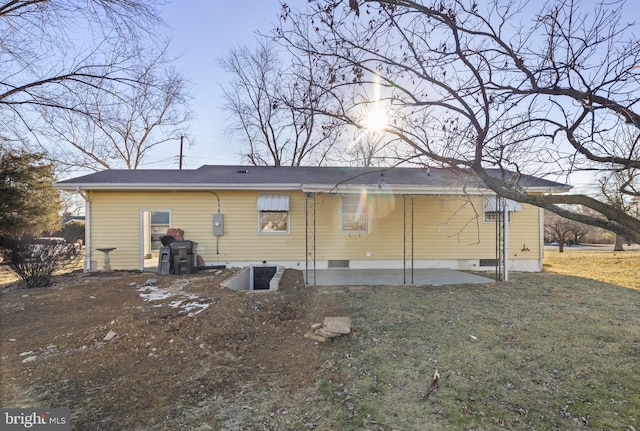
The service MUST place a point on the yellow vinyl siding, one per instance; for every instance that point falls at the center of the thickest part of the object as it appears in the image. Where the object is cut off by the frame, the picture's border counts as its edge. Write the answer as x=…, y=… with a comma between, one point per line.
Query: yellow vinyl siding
x=524, y=233
x=115, y=222
x=444, y=228
x=242, y=239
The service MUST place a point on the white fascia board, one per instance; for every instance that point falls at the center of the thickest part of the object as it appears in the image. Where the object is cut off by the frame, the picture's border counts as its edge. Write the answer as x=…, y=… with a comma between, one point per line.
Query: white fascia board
x=551, y=190
x=174, y=186
x=308, y=188
x=388, y=189
x=415, y=189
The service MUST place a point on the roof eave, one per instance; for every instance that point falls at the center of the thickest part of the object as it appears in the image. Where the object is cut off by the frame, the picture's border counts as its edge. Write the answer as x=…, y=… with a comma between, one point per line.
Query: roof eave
x=172, y=186
x=308, y=188
x=380, y=189
x=416, y=189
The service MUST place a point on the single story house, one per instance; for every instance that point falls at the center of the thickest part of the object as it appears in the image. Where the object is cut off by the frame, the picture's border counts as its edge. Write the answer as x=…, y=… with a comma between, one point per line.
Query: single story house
x=311, y=217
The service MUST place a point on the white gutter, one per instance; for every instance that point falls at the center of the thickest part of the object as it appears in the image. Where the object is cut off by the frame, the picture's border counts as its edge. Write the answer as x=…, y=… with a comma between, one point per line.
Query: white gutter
x=541, y=239
x=311, y=188
x=87, y=228
x=402, y=189
x=371, y=188
x=175, y=186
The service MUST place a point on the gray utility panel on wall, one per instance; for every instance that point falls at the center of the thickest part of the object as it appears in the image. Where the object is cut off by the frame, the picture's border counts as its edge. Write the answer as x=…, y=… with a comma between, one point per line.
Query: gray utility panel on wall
x=218, y=224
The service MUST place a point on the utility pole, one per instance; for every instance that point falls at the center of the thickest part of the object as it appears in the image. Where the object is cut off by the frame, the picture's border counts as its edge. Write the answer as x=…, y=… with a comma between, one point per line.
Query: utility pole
x=181, y=144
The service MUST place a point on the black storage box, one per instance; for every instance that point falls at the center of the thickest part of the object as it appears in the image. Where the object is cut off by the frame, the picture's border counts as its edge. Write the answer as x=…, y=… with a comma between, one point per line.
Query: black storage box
x=177, y=258
x=177, y=246
x=184, y=261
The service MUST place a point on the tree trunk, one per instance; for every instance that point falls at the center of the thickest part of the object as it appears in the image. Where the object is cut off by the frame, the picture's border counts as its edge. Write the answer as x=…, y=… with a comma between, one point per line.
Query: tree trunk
x=619, y=243
x=561, y=246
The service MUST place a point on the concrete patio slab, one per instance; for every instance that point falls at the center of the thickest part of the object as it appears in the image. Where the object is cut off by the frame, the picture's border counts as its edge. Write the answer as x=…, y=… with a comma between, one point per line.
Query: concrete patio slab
x=391, y=277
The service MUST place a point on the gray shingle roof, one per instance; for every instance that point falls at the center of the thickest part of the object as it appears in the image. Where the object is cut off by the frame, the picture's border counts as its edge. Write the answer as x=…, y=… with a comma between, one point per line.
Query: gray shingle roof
x=293, y=177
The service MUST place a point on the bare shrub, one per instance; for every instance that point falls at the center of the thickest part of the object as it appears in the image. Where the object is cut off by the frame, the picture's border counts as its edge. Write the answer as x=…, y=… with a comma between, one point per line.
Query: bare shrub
x=35, y=263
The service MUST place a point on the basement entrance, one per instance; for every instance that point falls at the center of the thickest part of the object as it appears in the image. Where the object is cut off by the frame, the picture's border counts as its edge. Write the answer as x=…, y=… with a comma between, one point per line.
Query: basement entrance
x=262, y=276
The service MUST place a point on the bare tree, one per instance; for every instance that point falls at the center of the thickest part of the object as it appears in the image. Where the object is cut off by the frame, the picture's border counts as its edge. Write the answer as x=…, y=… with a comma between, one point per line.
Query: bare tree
x=369, y=149
x=274, y=108
x=123, y=126
x=90, y=74
x=479, y=87
x=615, y=189
x=562, y=230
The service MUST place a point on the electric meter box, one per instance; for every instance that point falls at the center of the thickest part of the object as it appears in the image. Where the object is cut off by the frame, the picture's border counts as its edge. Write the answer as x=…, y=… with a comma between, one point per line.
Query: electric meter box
x=218, y=224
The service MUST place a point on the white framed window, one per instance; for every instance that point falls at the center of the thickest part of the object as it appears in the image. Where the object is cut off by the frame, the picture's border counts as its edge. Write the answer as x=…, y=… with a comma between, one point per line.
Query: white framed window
x=493, y=216
x=354, y=214
x=493, y=210
x=273, y=213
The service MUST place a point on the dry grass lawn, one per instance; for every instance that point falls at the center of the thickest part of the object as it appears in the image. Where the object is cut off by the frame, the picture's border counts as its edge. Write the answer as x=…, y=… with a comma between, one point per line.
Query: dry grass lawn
x=620, y=268
x=542, y=352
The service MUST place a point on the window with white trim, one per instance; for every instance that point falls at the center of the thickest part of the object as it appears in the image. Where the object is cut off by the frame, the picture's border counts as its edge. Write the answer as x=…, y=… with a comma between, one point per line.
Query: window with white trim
x=273, y=213
x=493, y=216
x=354, y=214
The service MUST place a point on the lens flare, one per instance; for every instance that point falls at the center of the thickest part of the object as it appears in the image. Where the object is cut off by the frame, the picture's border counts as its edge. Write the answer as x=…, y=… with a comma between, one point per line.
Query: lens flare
x=383, y=205
x=362, y=212
x=378, y=205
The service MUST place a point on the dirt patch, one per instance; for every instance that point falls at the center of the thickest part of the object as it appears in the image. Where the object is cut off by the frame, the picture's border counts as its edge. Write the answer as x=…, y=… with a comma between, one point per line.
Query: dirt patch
x=124, y=352
x=543, y=351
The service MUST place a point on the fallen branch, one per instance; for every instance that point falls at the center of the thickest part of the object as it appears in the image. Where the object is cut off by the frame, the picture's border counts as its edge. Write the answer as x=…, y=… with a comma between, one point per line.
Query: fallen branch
x=435, y=383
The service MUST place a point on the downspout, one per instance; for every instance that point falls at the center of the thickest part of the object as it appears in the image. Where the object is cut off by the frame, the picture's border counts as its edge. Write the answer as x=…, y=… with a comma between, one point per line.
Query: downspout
x=87, y=228
x=217, y=236
x=541, y=237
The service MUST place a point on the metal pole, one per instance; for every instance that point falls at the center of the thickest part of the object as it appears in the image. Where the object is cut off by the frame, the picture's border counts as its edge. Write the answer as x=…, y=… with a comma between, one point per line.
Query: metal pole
x=306, y=237
x=181, y=145
x=498, y=238
x=505, y=239
x=310, y=236
x=314, y=240
x=407, y=236
x=404, y=239
x=412, y=237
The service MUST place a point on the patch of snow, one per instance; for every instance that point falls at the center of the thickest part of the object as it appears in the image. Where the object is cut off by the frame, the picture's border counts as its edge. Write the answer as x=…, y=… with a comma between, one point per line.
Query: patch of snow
x=156, y=294
x=175, y=289
x=189, y=307
x=176, y=304
x=195, y=306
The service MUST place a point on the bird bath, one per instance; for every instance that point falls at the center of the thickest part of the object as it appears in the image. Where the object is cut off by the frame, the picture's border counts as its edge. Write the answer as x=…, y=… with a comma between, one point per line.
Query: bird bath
x=107, y=260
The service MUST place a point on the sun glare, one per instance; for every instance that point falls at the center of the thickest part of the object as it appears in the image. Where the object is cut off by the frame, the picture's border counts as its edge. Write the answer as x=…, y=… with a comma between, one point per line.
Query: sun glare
x=376, y=120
